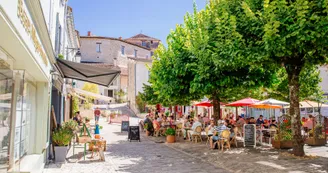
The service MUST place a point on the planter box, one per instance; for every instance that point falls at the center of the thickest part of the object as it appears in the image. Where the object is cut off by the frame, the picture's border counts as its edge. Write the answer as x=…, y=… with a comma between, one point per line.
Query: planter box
x=282, y=144
x=315, y=142
x=170, y=139
x=60, y=154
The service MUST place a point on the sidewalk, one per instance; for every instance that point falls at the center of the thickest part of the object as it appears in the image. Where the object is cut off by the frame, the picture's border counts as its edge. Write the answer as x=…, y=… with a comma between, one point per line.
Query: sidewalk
x=250, y=160
x=140, y=157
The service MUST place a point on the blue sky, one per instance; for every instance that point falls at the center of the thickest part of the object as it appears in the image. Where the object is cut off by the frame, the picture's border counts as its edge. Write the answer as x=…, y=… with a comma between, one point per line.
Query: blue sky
x=126, y=18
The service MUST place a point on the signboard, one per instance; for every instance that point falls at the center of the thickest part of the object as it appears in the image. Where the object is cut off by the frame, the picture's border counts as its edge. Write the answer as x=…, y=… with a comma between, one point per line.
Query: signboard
x=250, y=135
x=134, y=133
x=125, y=126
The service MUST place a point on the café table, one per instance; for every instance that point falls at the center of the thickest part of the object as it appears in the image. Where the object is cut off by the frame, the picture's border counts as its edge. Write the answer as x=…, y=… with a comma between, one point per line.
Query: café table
x=261, y=130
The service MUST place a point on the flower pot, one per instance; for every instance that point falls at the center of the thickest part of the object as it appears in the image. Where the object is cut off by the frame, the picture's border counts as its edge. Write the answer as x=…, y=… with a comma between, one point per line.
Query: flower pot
x=147, y=133
x=315, y=142
x=282, y=144
x=170, y=139
x=60, y=153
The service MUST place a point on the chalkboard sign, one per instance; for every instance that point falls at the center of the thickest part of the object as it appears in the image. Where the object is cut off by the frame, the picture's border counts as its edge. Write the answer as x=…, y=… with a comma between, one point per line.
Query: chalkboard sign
x=134, y=133
x=250, y=135
x=125, y=126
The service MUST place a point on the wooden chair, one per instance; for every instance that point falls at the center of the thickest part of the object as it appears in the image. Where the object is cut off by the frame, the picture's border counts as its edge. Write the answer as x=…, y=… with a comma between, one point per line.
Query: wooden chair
x=178, y=131
x=158, y=130
x=98, y=148
x=234, y=138
x=208, y=138
x=225, y=139
x=197, y=134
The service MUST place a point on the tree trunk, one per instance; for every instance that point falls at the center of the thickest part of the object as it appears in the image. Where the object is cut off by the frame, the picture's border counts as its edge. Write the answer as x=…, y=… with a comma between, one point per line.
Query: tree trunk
x=216, y=107
x=294, y=89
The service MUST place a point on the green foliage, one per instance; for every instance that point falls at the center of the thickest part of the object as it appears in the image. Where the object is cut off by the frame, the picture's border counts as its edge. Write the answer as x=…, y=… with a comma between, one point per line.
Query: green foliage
x=90, y=87
x=170, y=132
x=75, y=104
x=61, y=137
x=60, y=56
x=70, y=125
x=93, y=88
x=140, y=102
x=120, y=94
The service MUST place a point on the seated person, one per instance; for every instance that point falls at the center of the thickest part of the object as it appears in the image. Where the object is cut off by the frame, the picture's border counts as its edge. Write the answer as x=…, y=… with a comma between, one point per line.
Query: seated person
x=260, y=121
x=266, y=124
x=252, y=121
x=193, y=128
x=210, y=129
x=217, y=132
x=185, y=126
x=273, y=124
x=78, y=118
x=150, y=125
x=156, y=124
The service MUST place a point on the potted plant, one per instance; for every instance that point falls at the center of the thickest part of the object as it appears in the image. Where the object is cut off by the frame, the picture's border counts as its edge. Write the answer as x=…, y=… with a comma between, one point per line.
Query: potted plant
x=316, y=137
x=170, y=135
x=61, y=139
x=283, y=137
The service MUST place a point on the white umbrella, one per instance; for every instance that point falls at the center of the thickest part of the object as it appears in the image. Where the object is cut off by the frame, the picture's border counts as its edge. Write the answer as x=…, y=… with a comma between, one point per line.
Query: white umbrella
x=274, y=102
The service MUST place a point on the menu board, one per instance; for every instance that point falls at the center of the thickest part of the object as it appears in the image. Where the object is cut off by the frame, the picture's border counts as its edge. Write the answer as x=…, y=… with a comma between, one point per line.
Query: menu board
x=249, y=135
x=134, y=133
x=125, y=126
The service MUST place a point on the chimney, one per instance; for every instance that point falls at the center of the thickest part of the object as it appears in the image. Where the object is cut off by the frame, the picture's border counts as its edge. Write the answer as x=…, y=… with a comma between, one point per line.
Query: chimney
x=89, y=33
x=120, y=38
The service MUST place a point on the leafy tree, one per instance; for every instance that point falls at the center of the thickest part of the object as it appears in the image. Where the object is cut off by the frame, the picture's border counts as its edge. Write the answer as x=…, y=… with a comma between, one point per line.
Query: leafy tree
x=140, y=103
x=93, y=88
x=221, y=72
x=291, y=34
x=90, y=87
x=120, y=94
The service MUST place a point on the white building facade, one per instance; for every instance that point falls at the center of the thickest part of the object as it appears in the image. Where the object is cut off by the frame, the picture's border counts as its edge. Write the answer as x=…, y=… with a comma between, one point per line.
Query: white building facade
x=26, y=56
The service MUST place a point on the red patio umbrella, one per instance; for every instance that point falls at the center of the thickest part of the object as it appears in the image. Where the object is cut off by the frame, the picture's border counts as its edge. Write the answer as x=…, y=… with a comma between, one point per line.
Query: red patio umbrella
x=207, y=104
x=243, y=102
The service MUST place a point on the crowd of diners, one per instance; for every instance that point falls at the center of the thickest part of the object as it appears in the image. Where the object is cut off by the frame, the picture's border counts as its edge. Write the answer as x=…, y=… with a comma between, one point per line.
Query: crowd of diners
x=235, y=126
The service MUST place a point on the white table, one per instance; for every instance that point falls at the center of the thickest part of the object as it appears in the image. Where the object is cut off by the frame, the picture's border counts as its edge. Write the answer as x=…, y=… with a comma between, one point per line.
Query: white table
x=265, y=130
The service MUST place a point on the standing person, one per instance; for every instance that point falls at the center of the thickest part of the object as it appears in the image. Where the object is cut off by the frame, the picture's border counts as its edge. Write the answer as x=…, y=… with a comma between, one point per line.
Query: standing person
x=97, y=114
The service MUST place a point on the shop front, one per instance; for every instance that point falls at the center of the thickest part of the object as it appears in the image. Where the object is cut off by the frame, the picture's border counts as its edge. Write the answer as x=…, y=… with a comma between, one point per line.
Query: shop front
x=26, y=56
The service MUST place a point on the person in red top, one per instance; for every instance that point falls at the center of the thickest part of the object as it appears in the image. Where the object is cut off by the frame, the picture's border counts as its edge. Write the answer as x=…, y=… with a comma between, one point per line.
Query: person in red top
x=97, y=114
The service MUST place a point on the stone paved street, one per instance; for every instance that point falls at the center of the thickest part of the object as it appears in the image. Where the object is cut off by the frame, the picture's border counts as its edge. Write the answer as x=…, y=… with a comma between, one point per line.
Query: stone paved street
x=140, y=157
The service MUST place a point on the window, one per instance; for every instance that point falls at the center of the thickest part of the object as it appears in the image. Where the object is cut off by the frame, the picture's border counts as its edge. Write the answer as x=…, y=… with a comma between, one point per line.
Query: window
x=123, y=50
x=144, y=43
x=98, y=47
x=110, y=93
x=151, y=54
x=151, y=42
x=58, y=35
x=135, y=53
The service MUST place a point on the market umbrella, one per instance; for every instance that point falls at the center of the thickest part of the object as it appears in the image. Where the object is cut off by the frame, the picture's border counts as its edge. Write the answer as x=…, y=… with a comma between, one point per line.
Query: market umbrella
x=243, y=102
x=264, y=106
x=273, y=102
x=207, y=104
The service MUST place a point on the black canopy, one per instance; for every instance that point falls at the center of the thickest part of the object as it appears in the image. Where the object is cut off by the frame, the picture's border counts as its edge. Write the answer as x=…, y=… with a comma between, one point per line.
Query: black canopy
x=88, y=73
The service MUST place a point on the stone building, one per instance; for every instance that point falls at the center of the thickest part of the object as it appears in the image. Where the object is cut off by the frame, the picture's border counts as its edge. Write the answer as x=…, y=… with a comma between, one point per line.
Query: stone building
x=109, y=51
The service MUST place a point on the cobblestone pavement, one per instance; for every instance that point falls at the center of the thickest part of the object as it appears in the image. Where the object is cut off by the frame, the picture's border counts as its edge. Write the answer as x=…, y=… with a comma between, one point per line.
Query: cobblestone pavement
x=250, y=160
x=141, y=157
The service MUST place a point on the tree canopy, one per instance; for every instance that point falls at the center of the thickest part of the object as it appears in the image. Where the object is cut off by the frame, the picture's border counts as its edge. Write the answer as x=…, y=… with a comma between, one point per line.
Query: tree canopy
x=233, y=47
